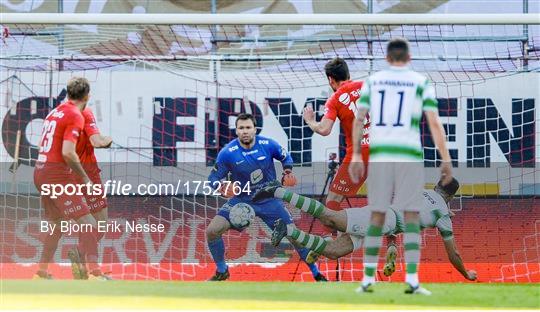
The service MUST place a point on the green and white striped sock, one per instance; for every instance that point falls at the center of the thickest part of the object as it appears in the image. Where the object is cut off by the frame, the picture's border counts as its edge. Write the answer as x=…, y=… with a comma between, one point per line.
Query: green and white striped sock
x=310, y=241
x=306, y=204
x=412, y=240
x=372, y=245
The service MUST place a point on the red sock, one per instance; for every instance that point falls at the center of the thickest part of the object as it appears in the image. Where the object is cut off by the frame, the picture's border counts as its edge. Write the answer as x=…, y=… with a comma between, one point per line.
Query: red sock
x=50, y=243
x=88, y=246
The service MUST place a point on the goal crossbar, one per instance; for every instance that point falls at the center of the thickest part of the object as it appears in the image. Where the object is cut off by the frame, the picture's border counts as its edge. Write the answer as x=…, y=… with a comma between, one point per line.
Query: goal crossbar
x=271, y=19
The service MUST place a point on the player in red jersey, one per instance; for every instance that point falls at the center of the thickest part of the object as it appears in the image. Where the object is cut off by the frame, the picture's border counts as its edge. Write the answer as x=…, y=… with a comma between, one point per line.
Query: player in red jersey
x=58, y=165
x=340, y=105
x=90, y=138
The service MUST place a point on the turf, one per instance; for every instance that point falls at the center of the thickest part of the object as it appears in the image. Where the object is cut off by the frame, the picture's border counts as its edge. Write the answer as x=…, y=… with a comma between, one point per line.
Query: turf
x=71, y=295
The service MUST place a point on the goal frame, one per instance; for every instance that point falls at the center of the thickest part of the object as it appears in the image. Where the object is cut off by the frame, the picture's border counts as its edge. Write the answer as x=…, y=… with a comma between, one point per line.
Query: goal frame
x=271, y=19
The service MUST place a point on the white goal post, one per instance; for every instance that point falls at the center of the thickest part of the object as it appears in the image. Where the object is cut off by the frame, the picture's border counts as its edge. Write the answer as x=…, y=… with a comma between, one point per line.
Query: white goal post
x=270, y=19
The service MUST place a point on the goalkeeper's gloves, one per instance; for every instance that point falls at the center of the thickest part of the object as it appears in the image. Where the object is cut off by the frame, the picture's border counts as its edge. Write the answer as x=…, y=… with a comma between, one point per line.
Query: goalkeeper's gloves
x=226, y=190
x=288, y=178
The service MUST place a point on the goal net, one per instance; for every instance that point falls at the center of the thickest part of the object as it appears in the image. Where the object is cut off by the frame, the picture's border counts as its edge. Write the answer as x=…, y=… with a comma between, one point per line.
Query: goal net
x=168, y=94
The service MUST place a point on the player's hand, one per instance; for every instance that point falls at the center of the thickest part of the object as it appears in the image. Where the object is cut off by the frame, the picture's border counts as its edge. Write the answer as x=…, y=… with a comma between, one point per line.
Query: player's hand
x=446, y=172
x=288, y=178
x=309, y=114
x=471, y=275
x=356, y=169
x=107, y=141
x=226, y=190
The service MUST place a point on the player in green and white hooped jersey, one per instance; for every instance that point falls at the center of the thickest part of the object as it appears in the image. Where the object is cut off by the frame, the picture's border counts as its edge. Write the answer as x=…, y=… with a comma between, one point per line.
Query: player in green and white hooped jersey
x=354, y=222
x=396, y=98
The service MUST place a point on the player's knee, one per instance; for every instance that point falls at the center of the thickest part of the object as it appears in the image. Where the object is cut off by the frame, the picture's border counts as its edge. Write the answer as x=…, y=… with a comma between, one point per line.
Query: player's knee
x=211, y=233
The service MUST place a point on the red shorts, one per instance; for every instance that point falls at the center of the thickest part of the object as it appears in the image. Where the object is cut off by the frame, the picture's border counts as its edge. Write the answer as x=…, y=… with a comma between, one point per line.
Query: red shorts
x=96, y=203
x=342, y=184
x=61, y=206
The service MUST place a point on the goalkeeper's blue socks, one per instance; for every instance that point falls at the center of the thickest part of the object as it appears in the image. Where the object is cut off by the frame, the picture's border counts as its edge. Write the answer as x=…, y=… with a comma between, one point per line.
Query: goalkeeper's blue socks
x=303, y=252
x=217, y=249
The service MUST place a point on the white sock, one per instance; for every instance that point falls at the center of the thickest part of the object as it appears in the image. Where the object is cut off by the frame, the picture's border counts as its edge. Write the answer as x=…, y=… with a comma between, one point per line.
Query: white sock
x=412, y=279
x=368, y=280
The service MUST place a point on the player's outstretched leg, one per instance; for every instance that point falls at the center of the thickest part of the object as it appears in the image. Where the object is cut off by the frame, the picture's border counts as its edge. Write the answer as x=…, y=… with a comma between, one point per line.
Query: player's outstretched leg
x=306, y=204
x=310, y=241
x=267, y=191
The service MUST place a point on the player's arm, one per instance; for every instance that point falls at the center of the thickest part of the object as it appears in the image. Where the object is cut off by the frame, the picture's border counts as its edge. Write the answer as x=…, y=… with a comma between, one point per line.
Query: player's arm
x=457, y=262
x=72, y=160
x=281, y=154
x=356, y=168
x=437, y=131
x=218, y=173
x=100, y=141
x=323, y=127
x=91, y=129
x=444, y=225
x=69, y=153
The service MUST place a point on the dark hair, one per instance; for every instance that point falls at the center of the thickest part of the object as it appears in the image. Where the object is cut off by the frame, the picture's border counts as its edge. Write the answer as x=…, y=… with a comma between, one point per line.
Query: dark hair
x=337, y=68
x=244, y=116
x=398, y=50
x=450, y=188
x=78, y=88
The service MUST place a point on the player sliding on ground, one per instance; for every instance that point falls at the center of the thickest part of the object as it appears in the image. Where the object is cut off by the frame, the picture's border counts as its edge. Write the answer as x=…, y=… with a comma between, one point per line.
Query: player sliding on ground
x=250, y=161
x=354, y=222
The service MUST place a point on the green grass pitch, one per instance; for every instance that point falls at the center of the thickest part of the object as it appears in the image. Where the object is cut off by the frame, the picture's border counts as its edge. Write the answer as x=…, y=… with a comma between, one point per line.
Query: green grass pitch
x=69, y=295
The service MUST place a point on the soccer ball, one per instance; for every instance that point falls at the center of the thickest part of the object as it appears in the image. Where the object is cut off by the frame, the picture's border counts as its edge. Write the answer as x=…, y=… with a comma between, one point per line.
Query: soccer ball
x=241, y=215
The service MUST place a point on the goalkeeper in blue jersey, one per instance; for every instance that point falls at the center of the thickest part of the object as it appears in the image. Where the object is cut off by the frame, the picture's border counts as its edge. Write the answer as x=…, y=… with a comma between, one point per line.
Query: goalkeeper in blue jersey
x=250, y=161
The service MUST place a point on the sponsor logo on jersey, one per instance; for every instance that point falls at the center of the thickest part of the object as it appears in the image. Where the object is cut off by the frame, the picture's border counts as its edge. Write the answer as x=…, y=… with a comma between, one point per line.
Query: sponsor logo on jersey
x=256, y=176
x=261, y=157
x=283, y=153
x=239, y=162
x=57, y=114
x=67, y=203
x=266, y=142
x=234, y=148
x=250, y=152
x=342, y=181
x=345, y=98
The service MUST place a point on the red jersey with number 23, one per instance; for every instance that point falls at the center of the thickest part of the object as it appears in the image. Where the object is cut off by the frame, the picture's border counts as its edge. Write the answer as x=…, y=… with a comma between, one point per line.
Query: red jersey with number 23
x=342, y=105
x=64, y=123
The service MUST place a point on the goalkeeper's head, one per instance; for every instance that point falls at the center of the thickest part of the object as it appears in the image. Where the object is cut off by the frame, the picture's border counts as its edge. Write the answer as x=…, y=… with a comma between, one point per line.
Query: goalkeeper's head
x=246, y=129
x=397, y=52
x=336, y=71
x=447, y=191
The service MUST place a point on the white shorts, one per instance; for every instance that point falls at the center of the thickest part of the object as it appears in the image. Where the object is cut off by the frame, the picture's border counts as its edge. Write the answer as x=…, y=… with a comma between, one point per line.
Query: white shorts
x=358, y=220
x=397, y=184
